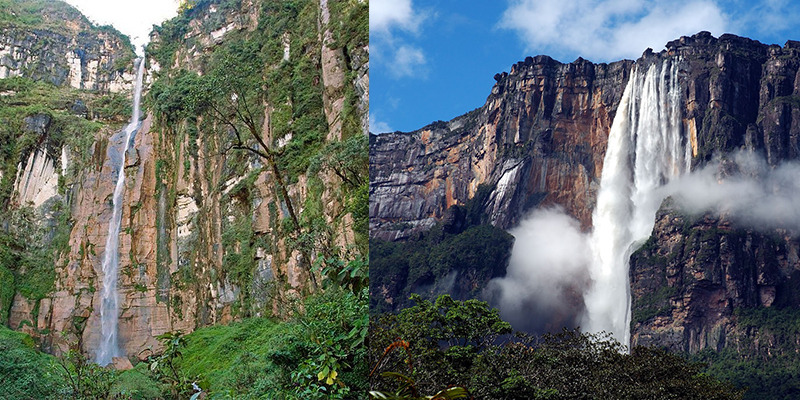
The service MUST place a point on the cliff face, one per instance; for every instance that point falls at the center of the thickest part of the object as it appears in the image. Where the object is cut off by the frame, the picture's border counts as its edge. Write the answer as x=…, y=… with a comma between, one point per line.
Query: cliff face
x=208, y=231
x=541, y=138
x=53, y=42
x=697, y=272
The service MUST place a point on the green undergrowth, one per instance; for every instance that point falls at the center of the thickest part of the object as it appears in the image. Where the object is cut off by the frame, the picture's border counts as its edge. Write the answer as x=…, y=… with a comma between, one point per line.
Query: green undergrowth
x=320, y=353
x=263, y=358
x=215, y=352
x=761, y=356
x=24, y=372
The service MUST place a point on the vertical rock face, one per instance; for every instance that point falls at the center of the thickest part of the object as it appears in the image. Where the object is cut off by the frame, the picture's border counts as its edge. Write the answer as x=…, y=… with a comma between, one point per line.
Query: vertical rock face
x=205, y=235
x=77, y=58
x=694, y=274
x=696, y=271
x=73, y=309
x=539, y=140
x=541, y=137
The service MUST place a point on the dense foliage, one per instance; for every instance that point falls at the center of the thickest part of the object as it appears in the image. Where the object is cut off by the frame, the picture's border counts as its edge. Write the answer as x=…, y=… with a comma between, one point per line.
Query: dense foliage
x=766, y=362
x=408, y=267
x=319, y=354
x=468, y=345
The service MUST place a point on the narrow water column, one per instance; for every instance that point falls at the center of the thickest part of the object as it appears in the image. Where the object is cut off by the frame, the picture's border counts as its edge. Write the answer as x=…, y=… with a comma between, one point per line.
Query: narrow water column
x=109, y=298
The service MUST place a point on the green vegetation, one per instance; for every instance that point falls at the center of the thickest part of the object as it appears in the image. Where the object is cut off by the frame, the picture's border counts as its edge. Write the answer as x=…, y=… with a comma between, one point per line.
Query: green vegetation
x=424, y=259
x=466, y=344
x=320, y=353
x=38, y=14
x=653, y=304
x=761, y=356
x=26, y=373
x=50, y=15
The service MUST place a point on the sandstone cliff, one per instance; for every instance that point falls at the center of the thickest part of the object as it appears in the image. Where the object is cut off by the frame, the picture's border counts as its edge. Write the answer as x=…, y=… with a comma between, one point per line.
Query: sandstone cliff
x=540, y=140
x=207, y=230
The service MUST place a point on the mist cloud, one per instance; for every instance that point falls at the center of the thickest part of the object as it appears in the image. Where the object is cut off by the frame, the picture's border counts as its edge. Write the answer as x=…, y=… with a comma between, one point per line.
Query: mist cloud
x=543, y=286
x=549, y=267
x=744, y=188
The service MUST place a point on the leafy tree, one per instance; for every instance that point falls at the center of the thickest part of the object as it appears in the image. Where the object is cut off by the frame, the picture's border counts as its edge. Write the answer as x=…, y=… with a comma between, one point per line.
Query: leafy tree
x=468, y=345
x=85, y=379
x=166, y=366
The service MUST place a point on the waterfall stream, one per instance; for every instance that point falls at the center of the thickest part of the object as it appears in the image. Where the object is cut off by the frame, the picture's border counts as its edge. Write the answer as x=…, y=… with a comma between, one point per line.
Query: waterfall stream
x=646, y=149
x=109, y=307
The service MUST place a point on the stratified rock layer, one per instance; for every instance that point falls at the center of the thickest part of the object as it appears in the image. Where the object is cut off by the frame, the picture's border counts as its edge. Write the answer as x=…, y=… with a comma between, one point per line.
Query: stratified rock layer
x=540, y=140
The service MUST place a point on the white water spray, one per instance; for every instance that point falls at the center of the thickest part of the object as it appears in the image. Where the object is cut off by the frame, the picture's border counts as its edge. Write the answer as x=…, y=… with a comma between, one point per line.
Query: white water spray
x=109, y=307
x=646, y=149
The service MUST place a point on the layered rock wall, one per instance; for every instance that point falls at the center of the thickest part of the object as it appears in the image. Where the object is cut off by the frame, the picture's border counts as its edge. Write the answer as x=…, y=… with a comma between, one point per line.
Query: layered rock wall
x=539, y=140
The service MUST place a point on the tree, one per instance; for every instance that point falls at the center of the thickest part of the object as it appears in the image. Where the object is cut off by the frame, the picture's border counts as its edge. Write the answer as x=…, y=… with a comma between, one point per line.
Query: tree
x=468, y=345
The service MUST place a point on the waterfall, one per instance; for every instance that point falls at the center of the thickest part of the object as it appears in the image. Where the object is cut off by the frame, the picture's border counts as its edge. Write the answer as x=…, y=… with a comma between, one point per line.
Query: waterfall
x=109, y=307
x=646, y=149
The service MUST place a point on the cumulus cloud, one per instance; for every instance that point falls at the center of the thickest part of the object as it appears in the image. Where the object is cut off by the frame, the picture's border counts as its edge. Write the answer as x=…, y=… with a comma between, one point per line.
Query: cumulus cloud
x=408, y=61
x=390, y=21
x=744, y=188
x=606, y=30
x=376, y=126
x=547, y=273
x=387, y=14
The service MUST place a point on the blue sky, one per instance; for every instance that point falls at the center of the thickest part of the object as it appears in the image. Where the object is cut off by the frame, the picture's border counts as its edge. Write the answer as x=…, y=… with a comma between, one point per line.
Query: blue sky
x=434, y=60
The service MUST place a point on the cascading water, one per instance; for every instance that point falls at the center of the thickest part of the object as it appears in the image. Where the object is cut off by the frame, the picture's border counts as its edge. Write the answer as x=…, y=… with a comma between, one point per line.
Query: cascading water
x=109, y=308
x=646, y=149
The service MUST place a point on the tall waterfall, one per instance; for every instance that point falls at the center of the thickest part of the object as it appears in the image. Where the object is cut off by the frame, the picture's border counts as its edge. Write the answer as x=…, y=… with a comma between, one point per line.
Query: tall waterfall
x=109, y=307
x=646, y=149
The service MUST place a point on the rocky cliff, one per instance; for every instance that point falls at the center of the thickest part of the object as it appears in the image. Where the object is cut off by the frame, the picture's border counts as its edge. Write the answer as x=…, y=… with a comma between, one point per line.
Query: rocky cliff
x=53, y=42
x=213, y=232
x=540, y=140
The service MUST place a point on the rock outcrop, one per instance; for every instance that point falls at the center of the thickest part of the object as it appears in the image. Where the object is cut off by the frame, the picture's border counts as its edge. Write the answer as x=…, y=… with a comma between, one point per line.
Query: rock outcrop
x=65, y=49
x=540, y=140
x=206, y=234
x=695, y=272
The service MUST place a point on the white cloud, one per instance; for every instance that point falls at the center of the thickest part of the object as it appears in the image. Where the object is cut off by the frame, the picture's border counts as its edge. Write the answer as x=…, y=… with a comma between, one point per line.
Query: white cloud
x=135, y=21
x=408, y=61
x=388, y=21
x=376, y=126
x=546, y=272
x=386, y=14
x=769, y=18
x=607, y=30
